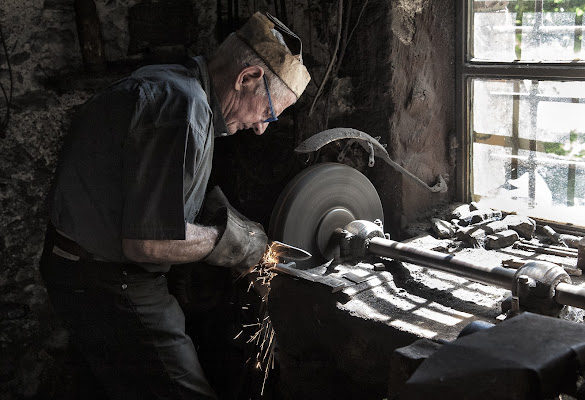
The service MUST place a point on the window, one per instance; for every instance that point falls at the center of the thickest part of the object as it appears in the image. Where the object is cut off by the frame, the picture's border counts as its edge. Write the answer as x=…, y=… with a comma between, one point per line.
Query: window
x=521, y=102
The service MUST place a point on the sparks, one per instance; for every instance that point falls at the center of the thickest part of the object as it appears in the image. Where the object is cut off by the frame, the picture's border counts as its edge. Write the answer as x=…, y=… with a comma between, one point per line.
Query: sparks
x=270, y=258
x=263, y=337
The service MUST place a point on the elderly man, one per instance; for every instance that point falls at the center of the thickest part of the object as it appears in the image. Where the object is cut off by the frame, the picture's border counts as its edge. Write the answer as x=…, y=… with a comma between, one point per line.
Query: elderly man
x=127, y=203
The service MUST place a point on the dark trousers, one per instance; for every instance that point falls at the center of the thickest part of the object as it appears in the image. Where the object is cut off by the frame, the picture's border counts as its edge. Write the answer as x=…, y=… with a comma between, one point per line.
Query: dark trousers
x=210, y=301
x=222, y=315
x=127, y=326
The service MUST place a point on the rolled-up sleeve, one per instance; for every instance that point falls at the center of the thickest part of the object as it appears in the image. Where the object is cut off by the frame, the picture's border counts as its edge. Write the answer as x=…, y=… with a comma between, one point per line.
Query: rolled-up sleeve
x=153, y=172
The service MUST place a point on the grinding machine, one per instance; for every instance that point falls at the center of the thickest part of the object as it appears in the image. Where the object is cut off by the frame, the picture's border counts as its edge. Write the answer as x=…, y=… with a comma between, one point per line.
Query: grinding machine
x=334, y=212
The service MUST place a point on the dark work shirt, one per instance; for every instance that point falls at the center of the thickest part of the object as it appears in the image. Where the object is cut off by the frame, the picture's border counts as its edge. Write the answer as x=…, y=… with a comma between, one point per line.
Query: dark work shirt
x=138, y=158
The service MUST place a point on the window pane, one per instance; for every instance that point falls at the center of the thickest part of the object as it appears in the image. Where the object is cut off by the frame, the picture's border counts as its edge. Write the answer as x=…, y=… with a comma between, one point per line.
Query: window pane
x=528, y=152
x=527, y=30
x=494, y=100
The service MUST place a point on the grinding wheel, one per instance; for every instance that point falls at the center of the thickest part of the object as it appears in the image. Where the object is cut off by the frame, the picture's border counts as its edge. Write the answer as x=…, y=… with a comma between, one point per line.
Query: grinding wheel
x=318, y=200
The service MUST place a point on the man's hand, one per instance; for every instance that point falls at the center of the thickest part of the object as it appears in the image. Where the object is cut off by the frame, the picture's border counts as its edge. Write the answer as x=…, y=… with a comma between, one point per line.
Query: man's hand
x=214, y=200
x=242, y=243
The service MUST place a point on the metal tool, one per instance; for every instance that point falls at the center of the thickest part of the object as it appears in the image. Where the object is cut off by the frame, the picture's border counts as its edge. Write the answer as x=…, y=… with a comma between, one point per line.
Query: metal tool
x=288, y=252
x=372, y=146
x=290, y=269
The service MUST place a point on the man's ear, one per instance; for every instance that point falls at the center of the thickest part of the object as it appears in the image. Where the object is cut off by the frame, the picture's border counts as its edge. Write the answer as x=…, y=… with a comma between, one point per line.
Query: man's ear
x=249, y=76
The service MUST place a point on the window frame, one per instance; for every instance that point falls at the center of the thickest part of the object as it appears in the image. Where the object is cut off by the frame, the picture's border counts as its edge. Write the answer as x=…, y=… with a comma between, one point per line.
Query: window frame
x=466, y=70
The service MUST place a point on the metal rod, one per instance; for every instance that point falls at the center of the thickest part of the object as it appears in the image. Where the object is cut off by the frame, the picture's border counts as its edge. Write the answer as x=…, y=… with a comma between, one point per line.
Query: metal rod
x=565, y=293
x=546, y=250
x=497, y=276
x=570, y=295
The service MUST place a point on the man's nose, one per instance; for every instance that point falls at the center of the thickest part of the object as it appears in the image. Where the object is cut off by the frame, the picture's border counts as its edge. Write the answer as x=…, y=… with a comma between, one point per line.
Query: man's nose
x=260, y=127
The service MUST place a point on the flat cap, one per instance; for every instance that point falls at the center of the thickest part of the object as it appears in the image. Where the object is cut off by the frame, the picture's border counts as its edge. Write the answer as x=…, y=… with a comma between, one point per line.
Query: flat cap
x=259, y=33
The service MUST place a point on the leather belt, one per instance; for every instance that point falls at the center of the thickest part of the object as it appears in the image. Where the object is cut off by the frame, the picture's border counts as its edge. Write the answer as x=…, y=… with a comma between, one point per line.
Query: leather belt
x=67, y=248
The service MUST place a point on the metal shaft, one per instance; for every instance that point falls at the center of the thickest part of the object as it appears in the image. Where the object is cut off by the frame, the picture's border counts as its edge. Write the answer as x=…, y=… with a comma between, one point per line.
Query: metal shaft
x=564, y=293
x=497, y=276
x=570, y=295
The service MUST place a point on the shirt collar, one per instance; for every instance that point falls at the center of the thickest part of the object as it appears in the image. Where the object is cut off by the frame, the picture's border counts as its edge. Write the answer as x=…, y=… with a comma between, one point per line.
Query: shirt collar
x=219, y=124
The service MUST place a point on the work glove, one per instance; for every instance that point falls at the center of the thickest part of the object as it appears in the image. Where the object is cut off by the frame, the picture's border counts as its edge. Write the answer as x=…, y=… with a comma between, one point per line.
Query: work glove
x=214, y=200
x=241, y=245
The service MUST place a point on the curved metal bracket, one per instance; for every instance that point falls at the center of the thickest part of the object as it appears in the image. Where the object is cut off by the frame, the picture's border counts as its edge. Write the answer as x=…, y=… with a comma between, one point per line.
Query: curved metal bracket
x=372, y=146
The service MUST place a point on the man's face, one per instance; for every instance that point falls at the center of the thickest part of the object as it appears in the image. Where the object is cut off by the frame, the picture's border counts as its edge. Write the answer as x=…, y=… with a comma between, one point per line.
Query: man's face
x=247, y=109
x=248, y=113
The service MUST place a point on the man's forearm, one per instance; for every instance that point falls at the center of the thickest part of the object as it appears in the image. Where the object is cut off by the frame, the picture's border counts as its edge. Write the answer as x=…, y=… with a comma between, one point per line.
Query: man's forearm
x=198, y=243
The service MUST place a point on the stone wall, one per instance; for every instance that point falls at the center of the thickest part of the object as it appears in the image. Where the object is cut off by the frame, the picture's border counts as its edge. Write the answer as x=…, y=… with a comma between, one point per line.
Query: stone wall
x=41, y=41
x=392, y=78
x=423, y=91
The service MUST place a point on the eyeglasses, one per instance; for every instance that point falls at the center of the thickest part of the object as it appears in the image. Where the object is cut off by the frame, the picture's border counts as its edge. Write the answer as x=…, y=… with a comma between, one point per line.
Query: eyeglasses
x=274, y=117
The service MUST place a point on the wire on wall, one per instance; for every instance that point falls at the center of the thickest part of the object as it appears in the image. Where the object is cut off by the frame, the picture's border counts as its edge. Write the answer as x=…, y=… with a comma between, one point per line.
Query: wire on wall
x=333, y=57
x=344, y=36
x=7, y=94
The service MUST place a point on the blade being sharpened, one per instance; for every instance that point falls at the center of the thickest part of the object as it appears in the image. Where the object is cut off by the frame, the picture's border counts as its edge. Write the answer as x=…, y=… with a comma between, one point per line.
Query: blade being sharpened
x=289, y=252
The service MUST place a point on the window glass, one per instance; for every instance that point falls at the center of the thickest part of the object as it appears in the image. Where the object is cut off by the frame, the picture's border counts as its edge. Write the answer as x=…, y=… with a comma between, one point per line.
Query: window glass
x=527, y=30
x=528, y=147
x=493, y=36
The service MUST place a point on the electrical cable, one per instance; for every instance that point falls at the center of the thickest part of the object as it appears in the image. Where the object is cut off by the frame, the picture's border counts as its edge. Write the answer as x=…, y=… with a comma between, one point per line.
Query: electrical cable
x=7, y=96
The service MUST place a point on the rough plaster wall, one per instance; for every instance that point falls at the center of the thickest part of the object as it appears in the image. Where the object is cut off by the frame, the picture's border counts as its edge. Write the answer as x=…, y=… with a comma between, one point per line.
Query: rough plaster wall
x=42, y=42
x=41, y=39
x=403, y=18
x=204, y=38
x=113, y=16
x=31, y=348
x=423, y=94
